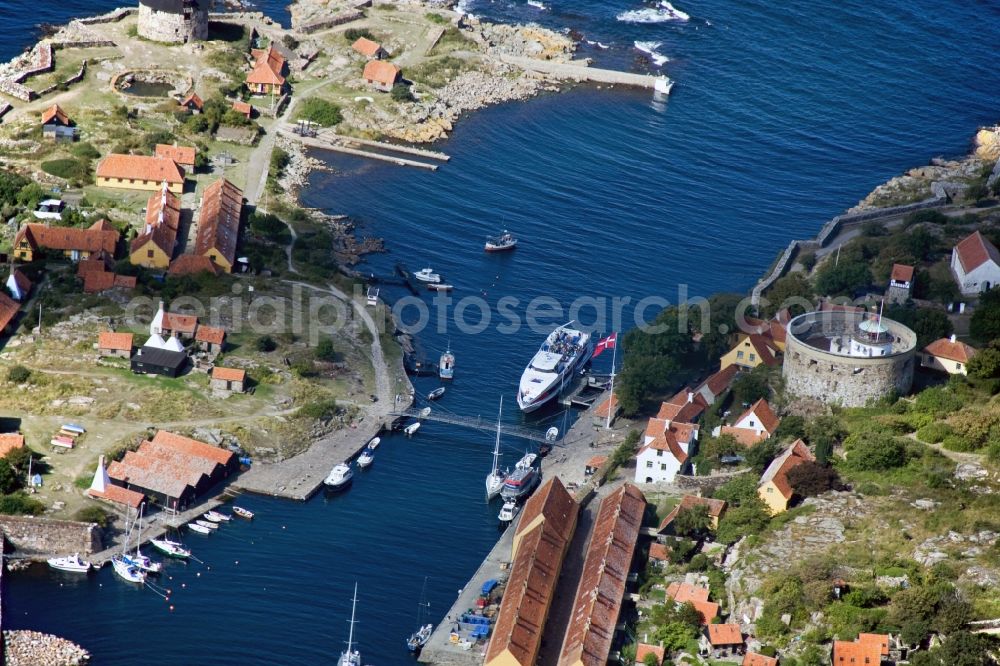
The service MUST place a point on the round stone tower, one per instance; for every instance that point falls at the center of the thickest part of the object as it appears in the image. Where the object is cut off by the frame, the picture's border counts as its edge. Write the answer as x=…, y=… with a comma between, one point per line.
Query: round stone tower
x=847, y=357
x=173, y=21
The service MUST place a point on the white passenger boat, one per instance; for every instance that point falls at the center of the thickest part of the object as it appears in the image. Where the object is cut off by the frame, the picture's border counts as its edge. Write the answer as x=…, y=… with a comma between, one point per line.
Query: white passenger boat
x=446, y=364
x=411, y=429
x=366, y=458
x=551, y=369
x=72, y=563
x=339, y=477
x=171, y=548
x=427, y=275
x=126, y=571
x=523, y=480
x=197, y=527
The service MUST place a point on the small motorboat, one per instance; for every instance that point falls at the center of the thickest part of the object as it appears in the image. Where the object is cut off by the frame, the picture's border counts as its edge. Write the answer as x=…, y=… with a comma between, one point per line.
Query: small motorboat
x=127, y=571
x=366, y=458
x=509, y=511
x=71, y=563
x=419, y=638
x=446, y=364
x=217, y=516
x=551, y=434
x=440, y=286
x=339, y=477
x=436, y=393
x=427, y=275
x=411, y=429
x=374, y=443
x=243, y=513
x=425, y=412
x=171, y=548
x=198, y=527
x=502, y=243
x=207, y=523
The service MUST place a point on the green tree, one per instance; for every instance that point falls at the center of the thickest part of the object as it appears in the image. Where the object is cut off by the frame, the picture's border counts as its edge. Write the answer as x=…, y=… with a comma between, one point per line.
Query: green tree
x=790, y=291
x=692, y=521
x=750, y=387
x=792, y=427
x=760, y=455
x=651, y=659
x=985, y=323
x=875, y=451
x=824, y=433
x=401, y=93
x=842, y=279
x=985, y=364
x=320, y=111
x=928, y=324
x=750, y=517
x=738, y=490
x=18, y=374
x=266, y=343
x=809, y=479
x=658, y=357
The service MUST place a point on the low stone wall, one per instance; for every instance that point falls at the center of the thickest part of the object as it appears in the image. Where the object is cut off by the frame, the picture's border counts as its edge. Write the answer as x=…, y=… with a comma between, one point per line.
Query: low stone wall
x=16, y=90
x=333, y=21
x=76, y=78
x=5, y=109
x=84, y=44
x=32, y=536
x=113, y=16
x=707, y=484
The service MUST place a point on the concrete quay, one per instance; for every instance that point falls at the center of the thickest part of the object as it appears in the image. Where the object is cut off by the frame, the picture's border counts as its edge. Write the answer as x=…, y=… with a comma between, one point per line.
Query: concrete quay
x=338, y=147
x=578, y=71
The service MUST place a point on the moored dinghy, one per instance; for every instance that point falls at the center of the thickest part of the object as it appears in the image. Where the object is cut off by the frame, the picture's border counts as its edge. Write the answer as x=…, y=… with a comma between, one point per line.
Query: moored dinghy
x=217, y=516
x=366, y=458
x=374, y=443
x=436, y=393
x=200, y=529
x=243, y=513
x=411, y=429
x=207, y=524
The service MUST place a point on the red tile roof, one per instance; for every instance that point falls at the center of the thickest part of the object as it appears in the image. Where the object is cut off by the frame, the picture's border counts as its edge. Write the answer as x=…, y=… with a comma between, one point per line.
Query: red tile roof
x=554, y=503
x=382, y=72
x=8, y=310
x=119, y=495
x=658, y=552
x=765, y=415
x=610, y=403
x=190, y=264
x=596, y=462
x=10, y=441
x=366, y=47
x=743, y=436
x=263, y=74
x=901, y=273
x=126, y=281
x=856, y=653
x=229, y=374
x=642, y=650
x=721, y=380
x=211, y=334
x=601, y=590
x=974, y=250
x=721, y=635
x=97, y=281
x=194, y=447
x=95, y=263
x=140, y=167
x=881, y=640
x=182, y=323
x=686, y=406
x=22, y=281
x=777, y=471
x=243, y=107
x=193, y=100
x=183, y=155
x=684, y=592
x=715, y=508
x=271, y=57
x=667, y=441
x=708, y=610
x=100, y=236
x=114, y=341
x=952, y=351
x=54, y=112
x=219, y=220
x=754, y=659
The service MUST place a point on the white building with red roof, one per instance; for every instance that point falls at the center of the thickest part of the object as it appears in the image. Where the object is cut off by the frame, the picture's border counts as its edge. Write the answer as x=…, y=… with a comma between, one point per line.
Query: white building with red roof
x=900, y=282
x=976, y=264
x=754, y=425
x=947, y=355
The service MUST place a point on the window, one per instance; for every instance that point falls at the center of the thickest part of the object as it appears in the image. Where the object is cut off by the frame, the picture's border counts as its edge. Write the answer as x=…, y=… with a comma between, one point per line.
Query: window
x=751, y=424
x=958, y=366
x=149, y=254
x=663, y=467
x=649, y=464
x=770, y=489
x=659, y=453
x=739, y=354
x=753, y=357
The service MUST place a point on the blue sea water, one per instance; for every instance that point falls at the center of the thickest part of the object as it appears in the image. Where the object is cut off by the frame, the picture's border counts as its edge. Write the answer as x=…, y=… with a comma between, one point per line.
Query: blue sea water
x=783, y=115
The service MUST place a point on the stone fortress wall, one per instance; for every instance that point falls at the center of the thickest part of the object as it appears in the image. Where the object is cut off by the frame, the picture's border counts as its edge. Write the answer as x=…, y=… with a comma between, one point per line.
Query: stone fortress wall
x=838, y=378
x=30, y=536
x=173, y=21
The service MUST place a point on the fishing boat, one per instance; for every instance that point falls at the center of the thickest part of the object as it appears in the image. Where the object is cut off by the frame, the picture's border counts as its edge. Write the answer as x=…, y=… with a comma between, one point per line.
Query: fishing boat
x=440, y=286
x=198, y=527
x=374, y=443
x=524, y=479
x=72, y=563
x=446, y=364
x=502, y=243
x=366, y=458
x=436, y=393
x=495, y=479
x=339, y=477
x=420, y=637
x=243, y=513
x=411, y=429
x=171, y=548
x=551, y=368
x=207, y=523
x=351, y=656
x=427, y=275
x=509, y=511
x=139, y=560
x=127, y=571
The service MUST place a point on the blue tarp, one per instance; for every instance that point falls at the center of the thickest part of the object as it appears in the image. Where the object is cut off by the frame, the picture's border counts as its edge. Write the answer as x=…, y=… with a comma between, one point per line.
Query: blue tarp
x=489, y=585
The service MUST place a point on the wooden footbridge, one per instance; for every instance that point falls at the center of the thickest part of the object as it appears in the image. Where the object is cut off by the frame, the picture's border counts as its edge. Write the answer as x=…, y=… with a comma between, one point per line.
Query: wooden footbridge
x=477, y=423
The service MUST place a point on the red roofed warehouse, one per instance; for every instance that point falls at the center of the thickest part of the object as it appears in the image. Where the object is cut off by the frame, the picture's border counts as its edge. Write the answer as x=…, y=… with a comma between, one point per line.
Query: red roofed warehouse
x=182, y=155
x=219, y=224
x=139, y=172
x=74, y=243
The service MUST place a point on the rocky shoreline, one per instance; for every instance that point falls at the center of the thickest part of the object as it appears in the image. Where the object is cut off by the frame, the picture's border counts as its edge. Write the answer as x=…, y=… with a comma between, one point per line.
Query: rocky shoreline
x=33, y=648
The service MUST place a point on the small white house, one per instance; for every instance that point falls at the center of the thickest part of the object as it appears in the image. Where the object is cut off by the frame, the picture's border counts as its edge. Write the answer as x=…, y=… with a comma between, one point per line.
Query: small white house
x=976, y=264
x=665, y=449
x=756, y=424
x=50, y=209
x=18, y=285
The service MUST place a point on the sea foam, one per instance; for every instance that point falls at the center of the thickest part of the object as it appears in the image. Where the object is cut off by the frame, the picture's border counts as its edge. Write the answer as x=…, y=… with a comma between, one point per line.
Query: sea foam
x=663, y=13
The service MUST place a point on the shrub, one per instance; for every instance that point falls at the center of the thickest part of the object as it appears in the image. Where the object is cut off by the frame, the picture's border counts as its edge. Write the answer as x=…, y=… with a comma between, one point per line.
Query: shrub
x=875, y=451
x=434, y=17
x=20, y=504
x=401, y=93
x=85, y=151
x=265, y=343
x=325, y=351
x=18, y=374
x=954, y=442
x=321, y=410
x=92, y=514
x=927, y=215
x=842, y=279
x=354, y=34
x=74, y=170
x=934, y=433
x=320, y=111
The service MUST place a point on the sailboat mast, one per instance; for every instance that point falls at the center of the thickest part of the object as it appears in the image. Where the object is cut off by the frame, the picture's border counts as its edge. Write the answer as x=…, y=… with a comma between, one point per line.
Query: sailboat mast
x=496, y=447
x=350, y=635
x=138, y=538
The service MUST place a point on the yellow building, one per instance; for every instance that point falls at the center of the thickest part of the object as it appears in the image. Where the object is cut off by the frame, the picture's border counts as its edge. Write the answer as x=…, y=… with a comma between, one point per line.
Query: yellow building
x=219, y=224
x=72, y=242
x=947, y=355
x=140, y=172
x=774, y=489
x=154, y=246
x=749, y=352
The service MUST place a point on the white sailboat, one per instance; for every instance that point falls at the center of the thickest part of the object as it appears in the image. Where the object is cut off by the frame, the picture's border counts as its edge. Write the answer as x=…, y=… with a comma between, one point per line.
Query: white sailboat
x=423, y=633
x=495, y=479
x=127, y=571
x=350, y=656
x=138, y=559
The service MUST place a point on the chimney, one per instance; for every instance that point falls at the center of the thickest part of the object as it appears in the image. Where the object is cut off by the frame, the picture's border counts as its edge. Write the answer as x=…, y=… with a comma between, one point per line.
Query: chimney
x=690, y=396
x=954, y=338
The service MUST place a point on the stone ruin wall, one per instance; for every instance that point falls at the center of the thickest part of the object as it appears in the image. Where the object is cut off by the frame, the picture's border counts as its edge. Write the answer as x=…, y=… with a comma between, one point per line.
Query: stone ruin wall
x=31, y=536
x=172, y=28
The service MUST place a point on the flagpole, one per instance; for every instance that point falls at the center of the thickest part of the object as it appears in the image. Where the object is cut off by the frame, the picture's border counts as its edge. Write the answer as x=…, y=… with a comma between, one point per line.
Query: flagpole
x=611, y=399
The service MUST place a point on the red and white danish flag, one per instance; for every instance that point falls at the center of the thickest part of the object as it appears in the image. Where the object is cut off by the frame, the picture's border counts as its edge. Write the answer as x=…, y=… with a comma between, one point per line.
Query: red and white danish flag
x=609, y=342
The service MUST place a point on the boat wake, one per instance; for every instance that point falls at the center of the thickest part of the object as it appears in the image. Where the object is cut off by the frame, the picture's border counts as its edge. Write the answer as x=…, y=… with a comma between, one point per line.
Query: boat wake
x=662, y=13
x=649, y=48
